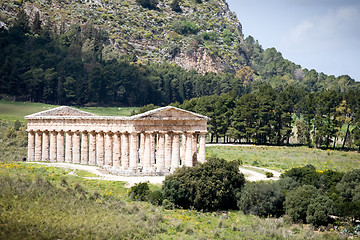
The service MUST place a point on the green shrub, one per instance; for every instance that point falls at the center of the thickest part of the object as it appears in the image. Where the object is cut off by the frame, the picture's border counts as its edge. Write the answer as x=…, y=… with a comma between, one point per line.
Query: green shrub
x=269, y=174
x=209, y=186
x=167, y=204
x=349, y=184
x=304, y=175
x=156, y=197
x=140, y=191
x=349, y=191
x=262, y=199
x=319, y=210
x=185, y=27
x=297, y=202
x=150, y=4
x=175, y=6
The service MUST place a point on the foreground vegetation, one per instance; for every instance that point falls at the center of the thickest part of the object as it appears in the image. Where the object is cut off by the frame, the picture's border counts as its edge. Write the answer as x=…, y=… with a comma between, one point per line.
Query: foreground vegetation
x=38, y=202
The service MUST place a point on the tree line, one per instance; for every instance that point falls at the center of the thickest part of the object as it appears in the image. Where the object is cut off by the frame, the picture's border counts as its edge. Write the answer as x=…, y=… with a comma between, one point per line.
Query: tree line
x=266, y=116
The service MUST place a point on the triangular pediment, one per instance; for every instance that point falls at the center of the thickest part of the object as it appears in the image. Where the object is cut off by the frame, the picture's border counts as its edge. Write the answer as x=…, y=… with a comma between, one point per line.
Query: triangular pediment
x=61, y=112
x=169, y=113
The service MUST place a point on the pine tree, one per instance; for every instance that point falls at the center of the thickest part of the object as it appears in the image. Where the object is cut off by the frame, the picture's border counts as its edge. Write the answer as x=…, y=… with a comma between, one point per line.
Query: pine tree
x=22, y=20
x=36, y=25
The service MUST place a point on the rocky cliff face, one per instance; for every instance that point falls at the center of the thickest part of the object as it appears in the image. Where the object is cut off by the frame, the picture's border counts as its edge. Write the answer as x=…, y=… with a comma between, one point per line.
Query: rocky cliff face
x=206, y=37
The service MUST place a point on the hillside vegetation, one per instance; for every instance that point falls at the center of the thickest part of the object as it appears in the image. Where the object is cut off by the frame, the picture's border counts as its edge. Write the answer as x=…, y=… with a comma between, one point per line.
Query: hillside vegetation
x=132, y=53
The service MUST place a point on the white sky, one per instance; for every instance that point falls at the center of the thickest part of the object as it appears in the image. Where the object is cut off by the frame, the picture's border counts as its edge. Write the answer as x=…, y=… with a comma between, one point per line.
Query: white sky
x=317, y=34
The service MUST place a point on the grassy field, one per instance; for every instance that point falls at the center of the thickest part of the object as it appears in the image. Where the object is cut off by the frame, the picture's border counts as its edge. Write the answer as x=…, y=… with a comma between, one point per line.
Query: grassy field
x=284, y=158
x=12, y=111
x=40, y=202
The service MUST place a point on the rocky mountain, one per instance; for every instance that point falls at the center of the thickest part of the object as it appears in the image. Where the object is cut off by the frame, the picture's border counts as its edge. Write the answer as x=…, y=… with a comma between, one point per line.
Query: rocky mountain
x=204, y=35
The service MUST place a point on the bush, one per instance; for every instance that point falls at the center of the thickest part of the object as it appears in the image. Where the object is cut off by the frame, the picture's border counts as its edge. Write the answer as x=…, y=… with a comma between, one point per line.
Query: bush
x=156, y=197
x=348, y=184
x=150, y=4
x=209, y=186
x=269, y=174
x=175, y=6
x=349, y=191
x=319, y=210
x=262, y=199
x=185, y=27
x=139, y=191
x=297, y=202
x=304, y=175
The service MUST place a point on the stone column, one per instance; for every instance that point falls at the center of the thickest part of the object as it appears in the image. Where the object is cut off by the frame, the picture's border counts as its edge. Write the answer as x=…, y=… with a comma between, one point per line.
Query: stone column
x=100, y=149
x=60, y=147
x=84, y=147
x=147, y=153
x=108, y=148
x=31, y=146
x=167, y=151
x=38, y=145
x=201, y=155
x=160, y=158
x=76, y=147
x=175, y=154
x=92, y=148
x=142, y=147
x=45, y=147
x=53, y=136
x=117, y=150
x=134, y=141
x=125, y=150
x=183, y=149
x=152, y=149
x=68, y=147
x=188, y=150
x=194, y=148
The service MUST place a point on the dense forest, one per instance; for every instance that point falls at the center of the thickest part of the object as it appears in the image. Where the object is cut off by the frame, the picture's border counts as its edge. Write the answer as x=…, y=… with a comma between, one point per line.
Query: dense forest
x=78, y=67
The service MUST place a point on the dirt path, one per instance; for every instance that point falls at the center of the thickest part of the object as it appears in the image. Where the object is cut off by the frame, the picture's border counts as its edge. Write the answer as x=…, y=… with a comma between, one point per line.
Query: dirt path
x=256, y=176
x=103, y=175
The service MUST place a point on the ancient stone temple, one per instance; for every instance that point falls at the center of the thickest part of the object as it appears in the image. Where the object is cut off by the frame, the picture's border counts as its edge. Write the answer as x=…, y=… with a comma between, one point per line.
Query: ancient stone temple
x=153, y=143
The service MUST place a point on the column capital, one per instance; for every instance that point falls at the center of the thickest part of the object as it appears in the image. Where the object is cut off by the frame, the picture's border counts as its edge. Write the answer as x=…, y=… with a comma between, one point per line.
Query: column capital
x=69, y=132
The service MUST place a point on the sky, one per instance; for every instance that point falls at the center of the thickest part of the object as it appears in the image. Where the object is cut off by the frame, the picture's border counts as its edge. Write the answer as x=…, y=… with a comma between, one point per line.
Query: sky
x=317, y=34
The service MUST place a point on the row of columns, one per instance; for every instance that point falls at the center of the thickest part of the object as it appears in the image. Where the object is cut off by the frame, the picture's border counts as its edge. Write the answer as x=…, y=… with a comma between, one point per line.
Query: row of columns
x=146, y=152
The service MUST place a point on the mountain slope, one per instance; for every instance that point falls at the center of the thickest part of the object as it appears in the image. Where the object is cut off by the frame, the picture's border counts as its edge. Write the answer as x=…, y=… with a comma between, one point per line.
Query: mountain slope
x=204, y=36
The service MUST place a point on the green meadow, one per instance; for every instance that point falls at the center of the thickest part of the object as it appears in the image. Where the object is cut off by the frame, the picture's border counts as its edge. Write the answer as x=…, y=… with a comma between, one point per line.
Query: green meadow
x=284, y=158
x=13, y=111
